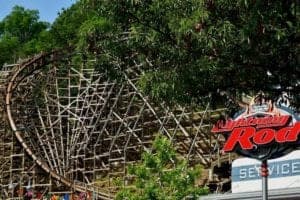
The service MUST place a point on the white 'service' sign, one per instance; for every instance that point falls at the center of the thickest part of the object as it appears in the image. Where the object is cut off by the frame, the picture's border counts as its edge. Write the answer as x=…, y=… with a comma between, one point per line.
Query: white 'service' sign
x=284, y=172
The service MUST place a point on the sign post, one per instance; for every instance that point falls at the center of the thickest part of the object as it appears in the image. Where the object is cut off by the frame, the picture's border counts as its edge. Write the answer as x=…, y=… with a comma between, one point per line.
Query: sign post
x=262, y=130
x=264, y=175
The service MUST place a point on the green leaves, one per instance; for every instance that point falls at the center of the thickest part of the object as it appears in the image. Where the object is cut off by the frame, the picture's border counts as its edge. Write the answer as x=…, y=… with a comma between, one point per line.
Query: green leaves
x=23, y=24
x=20, y=32
x=162, y=176
x=184, y=49
x=239, y=42
x=9, y=49
x=93, y=30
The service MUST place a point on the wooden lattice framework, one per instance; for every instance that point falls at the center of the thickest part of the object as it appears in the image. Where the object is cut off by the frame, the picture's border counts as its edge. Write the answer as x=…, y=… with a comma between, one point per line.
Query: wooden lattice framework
x=67, y=127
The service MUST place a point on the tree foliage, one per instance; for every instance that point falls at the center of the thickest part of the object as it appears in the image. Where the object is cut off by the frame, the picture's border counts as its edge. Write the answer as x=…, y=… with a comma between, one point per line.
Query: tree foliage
x=190, y=49
x=162, y=175
x=187, y=50
x=21, y=34
x=65, y=28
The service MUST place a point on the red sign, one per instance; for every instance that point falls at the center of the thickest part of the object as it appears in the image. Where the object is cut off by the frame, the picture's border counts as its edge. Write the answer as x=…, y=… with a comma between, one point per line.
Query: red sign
x=247, y=136
x=268, y=121
x=260, y=124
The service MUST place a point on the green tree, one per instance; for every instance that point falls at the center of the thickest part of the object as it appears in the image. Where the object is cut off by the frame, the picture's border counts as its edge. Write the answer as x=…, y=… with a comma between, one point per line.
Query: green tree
x=23, y=24
x=191, y=49
x=187, y=50
x=162, y=175
x=65, y=28
x=20, y=31
x=9, y=47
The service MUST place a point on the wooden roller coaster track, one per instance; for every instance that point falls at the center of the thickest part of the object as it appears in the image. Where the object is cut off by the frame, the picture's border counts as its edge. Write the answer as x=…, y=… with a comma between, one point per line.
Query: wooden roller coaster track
x=12, y=84
x=82, y=128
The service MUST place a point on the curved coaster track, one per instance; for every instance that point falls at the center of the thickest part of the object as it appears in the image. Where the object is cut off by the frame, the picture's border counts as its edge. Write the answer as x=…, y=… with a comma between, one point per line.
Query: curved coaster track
x=67, y=127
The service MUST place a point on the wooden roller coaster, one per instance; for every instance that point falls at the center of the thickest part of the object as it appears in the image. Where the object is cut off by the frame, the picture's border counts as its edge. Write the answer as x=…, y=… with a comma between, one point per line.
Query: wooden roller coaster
x=66, y=127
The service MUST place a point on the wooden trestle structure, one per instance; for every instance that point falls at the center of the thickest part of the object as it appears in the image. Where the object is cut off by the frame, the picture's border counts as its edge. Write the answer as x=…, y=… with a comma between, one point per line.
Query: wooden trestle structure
x=67, y=128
